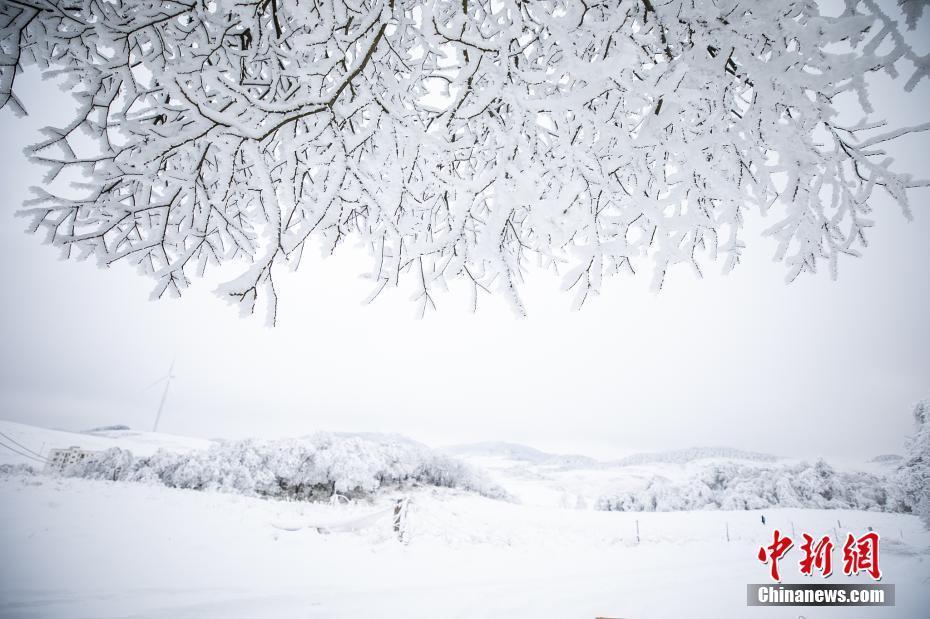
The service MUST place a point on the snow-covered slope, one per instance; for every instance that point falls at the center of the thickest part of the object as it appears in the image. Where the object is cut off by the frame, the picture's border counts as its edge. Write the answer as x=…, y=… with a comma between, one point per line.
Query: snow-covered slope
x=23, y=444
x=84, y=548
x=90, y=548
x=557, y=480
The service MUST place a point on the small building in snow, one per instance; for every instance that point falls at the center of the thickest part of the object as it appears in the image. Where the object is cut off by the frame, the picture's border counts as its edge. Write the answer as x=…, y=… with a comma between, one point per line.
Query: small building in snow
x=61, y=459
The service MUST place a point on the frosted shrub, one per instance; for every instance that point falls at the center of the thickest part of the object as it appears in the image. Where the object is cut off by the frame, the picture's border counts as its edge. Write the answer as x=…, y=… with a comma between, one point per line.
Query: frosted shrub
x=113, y=464
x=312, y=468
x=739, y=486
x=16, y=469
x=914, y=473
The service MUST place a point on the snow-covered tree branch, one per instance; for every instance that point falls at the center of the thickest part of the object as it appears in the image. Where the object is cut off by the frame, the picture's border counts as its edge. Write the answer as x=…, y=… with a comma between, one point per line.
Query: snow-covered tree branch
x=461, y=140
x=914, y=473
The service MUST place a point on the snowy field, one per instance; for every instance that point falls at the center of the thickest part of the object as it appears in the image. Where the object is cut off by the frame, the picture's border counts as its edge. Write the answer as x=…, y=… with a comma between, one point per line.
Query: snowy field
x=81, y=548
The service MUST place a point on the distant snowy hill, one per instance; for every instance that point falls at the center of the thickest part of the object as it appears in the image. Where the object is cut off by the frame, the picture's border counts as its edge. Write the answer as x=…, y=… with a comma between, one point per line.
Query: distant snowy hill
x=103, y=429
x=382, y=438
x=890, y=459
x=525, y=453
x=521, y=453
x=682, y=456
x=566, y=480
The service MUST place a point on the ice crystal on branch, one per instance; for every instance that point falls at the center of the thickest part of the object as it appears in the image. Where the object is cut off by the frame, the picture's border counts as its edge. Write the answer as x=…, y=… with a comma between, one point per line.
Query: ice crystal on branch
x=459, y=140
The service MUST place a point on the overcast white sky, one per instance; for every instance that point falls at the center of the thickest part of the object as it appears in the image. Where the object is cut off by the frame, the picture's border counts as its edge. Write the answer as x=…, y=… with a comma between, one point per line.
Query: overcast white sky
x=812, y=368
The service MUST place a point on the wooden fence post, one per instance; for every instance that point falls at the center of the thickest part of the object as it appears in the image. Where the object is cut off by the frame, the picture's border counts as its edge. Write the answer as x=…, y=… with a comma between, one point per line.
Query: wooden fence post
x=400, y=519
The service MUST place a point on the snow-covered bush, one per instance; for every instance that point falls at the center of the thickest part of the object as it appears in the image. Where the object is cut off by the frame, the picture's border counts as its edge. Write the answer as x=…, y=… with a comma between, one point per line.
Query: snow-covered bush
x=741, y=486
x=16, y=469
x=311, y=468
x=914, y=473
x=110, y=464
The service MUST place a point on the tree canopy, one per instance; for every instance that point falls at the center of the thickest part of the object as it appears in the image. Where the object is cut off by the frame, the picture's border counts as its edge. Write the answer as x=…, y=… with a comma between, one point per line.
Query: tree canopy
x=465, y=140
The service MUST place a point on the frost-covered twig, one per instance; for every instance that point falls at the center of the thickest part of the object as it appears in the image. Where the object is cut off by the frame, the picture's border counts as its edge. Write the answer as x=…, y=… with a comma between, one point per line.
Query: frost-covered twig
x=458, y=140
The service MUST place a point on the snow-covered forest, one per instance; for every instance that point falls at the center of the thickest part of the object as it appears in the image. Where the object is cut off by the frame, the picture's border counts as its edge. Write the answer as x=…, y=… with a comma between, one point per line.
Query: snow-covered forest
x=739, y=486
x=903, y=487
x=319, y=467
x=313, y=468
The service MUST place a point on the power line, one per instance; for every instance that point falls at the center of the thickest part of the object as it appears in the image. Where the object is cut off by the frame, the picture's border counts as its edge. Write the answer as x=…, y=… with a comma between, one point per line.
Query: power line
x=21, y=446
x=19, y=453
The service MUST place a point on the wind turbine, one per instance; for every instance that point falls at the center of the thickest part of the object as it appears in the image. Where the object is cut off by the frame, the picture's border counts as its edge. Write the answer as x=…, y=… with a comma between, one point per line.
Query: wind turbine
x=164, y=394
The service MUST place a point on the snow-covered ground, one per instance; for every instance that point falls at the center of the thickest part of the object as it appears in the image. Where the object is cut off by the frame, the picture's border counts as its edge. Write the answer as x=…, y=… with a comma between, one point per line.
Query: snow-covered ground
x=82, y=548
x=41, y=440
